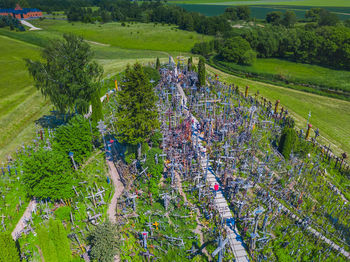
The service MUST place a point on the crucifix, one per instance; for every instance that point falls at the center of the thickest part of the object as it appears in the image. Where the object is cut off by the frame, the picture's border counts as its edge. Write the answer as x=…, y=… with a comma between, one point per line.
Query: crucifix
x=220, y=249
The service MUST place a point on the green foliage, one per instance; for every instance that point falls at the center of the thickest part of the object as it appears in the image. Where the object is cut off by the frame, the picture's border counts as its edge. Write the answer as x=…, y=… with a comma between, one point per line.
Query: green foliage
x=74, y=137
x=104, y=242
x=96, y=105
x=234, y=49
x=156, y=138
x=152, y=74
x=157, y=63
x=289, y=19
x=274, y=17
x=63, y=213
x=287, y=142
x=48, y=174
x=189, y=64
x=136, y=114
x=68, y=75
x=249, y=57
x=8, y=250
x=201, y=72
x=54, y=242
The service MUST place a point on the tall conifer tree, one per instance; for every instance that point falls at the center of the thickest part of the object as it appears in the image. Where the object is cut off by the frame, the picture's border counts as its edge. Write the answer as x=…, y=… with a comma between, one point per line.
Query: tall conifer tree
x=157, y=64
x=201, y=72
x=136, y=114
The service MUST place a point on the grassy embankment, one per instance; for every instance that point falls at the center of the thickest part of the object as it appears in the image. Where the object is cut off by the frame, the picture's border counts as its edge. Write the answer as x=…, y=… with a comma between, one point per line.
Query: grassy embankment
x=305, y=77
x=330, y=115
x=115, y=47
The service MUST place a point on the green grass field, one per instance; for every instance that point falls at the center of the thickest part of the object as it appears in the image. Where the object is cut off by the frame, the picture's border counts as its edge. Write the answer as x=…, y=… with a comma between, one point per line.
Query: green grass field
x=330, y=115
x=297, y=73
x=132, y=36
x=20, y=103
x=324, y=3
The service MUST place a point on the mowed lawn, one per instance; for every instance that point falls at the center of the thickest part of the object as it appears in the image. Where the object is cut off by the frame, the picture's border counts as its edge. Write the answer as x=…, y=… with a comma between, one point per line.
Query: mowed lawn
x=298, y=72
x=330, y=115
x=144, y=36
x=20, y=103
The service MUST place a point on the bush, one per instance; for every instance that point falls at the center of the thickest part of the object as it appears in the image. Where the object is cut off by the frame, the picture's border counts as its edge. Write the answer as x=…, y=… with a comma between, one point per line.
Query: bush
x=156, y=139
x=233, y=49
x=48, y=174
x=74, y=137
x=287, y=142
x=63, y=213
x=8, y=250
x=249, y=57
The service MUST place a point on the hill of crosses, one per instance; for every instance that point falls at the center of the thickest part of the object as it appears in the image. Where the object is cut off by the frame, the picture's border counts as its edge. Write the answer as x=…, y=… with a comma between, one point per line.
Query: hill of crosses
x=224, y=177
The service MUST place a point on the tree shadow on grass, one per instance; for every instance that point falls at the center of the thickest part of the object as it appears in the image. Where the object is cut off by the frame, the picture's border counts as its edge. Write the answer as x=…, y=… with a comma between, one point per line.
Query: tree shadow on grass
x=54, y=119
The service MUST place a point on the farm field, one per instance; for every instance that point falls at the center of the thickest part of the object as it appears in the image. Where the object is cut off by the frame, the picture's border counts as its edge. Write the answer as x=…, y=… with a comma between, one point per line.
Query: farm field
x=297, y=73
x=330, y=115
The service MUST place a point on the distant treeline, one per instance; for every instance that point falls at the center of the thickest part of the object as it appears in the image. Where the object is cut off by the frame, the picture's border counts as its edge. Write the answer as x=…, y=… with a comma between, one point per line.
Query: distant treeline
x=123, y=10
x=323, y=41
x=13, y=23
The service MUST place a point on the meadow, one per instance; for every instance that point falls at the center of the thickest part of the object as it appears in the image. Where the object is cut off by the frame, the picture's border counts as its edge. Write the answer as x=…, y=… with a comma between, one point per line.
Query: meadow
x=143, y=36
x=313, y=78
x=330, y=115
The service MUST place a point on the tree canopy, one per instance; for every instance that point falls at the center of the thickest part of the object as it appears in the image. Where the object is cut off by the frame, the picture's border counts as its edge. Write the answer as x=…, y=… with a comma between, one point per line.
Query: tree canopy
x=136, y=112
x=8, y=250
x=67, y=75
x=104, y=242
x=47, y=175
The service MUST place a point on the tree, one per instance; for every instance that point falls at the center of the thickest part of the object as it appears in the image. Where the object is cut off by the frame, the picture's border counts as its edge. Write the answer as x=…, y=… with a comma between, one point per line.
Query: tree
x=8, y=250
x=201, y=72
x=74, y=137
x=287, y=142
x=68, y=76
x=249, y=57
x=327, y=18
x=104, y=242
x=274, y=18
x=136, y=114
x=23, y=3
x=313, y=14
x=189, y=63
x=47, y=175
x=243, y=12
x=157, y=64
x=289, y=19
x=234, y=48
x=96, y=106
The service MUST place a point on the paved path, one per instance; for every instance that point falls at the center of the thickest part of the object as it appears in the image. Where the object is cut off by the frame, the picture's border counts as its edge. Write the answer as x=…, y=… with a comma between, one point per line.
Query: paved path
x=26, y=23
x=16, y=233
x=220, y=202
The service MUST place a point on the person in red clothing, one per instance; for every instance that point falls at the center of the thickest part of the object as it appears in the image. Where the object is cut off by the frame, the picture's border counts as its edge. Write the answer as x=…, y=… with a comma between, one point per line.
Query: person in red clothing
x=216, y=188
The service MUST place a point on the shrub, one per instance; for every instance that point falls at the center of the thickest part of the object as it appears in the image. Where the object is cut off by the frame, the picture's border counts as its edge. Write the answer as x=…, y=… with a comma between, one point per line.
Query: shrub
x=249, y=57
x=8, y=250
x=63, y=213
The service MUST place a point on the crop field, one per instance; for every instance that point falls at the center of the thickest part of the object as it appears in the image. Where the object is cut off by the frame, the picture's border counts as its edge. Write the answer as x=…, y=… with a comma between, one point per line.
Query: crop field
x=296, y=73
x=330, y=115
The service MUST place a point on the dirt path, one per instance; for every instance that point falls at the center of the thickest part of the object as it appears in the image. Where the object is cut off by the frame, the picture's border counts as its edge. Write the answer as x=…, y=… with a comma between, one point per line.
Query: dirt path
x=21, y=223
x=118, y=187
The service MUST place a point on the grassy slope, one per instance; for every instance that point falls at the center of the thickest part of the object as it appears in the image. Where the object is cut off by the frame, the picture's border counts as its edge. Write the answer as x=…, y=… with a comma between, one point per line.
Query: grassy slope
x=313, y=74
x=20, y=103
x=335, y=3
x=133, y=36
x=330, y=115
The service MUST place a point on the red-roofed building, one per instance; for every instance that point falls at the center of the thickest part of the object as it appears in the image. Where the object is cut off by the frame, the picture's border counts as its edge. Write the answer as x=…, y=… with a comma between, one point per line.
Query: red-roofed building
x=22, y=13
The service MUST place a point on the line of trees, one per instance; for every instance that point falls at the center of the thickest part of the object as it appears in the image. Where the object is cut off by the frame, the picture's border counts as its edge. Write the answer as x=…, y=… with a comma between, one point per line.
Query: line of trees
x=12, y=22
x=314, y=43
